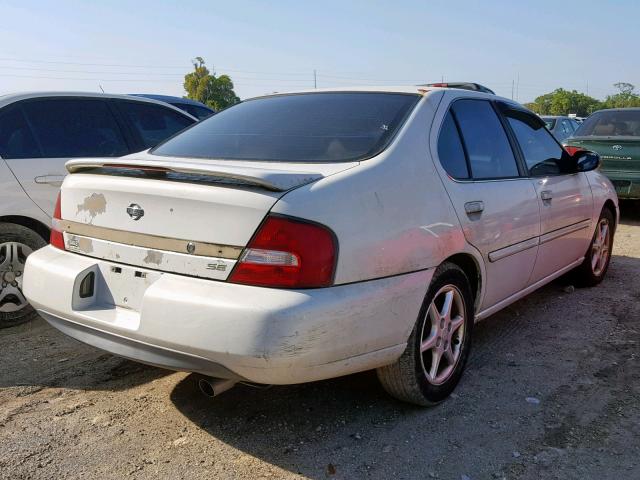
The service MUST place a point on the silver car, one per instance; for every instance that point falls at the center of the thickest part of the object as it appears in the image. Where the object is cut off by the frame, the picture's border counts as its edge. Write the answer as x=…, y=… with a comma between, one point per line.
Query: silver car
x=298, y=237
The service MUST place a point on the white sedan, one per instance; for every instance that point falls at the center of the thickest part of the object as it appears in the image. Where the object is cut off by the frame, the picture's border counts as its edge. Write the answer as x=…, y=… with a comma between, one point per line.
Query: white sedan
x=298, y=237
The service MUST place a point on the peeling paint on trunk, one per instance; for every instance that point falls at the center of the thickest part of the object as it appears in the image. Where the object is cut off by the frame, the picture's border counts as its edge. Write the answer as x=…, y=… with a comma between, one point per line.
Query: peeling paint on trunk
x=94, y=204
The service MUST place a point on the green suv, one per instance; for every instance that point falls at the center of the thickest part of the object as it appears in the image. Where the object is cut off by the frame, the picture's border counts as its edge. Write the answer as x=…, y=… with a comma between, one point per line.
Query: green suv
x=615, y=135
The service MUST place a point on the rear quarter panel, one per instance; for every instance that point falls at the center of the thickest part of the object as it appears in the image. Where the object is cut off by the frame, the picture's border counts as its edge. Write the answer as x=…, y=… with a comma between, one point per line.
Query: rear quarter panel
x=390, y=214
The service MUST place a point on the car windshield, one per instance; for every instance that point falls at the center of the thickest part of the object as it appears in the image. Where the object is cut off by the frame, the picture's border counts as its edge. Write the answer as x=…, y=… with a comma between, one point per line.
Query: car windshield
x=611, y=123
x=549, y=122
x=310, y=127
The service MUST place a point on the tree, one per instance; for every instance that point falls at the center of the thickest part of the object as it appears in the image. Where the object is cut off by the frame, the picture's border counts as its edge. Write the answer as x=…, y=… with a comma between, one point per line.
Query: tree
x=204, y=86
x=563, y=102
x=626, y=97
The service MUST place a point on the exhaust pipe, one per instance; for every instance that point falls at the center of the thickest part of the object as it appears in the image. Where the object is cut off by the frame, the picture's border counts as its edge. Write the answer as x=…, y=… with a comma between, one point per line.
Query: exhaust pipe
x=212, y=387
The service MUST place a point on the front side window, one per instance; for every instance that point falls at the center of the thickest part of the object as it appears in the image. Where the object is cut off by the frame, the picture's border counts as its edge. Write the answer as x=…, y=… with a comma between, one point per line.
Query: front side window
x=542, y=154
x=154, y=123
x=490, y=154
x=75, y=127
x=16, y=139
x=311, y=127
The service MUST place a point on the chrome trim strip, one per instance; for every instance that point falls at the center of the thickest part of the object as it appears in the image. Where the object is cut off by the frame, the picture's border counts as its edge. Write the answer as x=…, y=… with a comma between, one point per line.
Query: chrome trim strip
x=513, y=249
x=201, y=249
x=547, y=237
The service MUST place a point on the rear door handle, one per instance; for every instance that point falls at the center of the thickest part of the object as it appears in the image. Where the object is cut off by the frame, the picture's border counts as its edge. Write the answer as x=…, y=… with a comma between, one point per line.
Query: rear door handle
x=55, y=180
x=474, y=207
x=546, y=195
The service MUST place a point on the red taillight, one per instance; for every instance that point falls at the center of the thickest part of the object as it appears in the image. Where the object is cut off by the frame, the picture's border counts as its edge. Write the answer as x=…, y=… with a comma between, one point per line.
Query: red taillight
x=288, y=253
x=56, y=238
x=571, y=150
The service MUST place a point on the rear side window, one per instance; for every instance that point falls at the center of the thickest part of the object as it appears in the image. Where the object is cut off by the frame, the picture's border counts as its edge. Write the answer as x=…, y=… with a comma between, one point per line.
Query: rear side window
x=310, y=127
x=154, y=123
x=16, y=139
x=486, y=142
x=450, y=149
x=542, y=154
x=75, y=128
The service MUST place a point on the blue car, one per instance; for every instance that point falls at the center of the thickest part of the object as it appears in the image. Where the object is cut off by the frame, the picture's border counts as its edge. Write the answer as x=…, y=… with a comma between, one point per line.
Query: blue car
x=192, y=107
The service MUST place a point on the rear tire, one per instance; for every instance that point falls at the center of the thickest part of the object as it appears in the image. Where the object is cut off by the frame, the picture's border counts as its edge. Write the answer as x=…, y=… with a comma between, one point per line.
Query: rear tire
x=598, y=257
x=437, y=350
x=16, y=243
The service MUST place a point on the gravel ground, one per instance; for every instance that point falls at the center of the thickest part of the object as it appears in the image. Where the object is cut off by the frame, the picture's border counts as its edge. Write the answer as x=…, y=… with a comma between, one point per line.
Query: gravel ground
x=552, y=391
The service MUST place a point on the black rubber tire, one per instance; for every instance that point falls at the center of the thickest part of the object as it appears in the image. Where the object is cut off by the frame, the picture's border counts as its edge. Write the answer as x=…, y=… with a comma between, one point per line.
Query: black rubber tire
x=583, y=275
x=405, y=379
x=11, y=232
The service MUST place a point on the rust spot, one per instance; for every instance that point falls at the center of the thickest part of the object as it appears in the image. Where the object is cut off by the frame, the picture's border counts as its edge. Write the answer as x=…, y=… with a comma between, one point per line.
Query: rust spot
x=153, y=257
x=94, y=204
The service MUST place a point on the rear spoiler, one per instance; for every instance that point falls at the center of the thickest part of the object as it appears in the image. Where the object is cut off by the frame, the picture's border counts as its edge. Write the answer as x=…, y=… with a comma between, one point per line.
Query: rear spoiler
x=268, y=178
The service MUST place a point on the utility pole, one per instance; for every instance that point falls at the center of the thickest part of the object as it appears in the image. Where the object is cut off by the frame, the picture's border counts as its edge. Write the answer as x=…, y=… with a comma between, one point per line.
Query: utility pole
x=518, y=88
x=512, y=87
x=315, y=79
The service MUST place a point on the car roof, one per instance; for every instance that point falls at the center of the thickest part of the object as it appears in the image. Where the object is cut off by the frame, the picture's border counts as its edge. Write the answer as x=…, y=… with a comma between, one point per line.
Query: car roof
x=410, y=89
x=14, y=97
x=171, y=99
x=626, y=109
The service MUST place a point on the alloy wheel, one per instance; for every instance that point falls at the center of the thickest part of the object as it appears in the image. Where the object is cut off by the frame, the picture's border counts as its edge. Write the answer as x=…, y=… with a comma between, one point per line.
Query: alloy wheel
x=13, y=256
x=601, y=247
x=442, y=335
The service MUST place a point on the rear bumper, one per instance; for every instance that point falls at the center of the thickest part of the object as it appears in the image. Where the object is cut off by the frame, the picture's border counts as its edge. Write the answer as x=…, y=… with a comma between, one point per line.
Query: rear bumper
x=225, y=330
x=627, y=184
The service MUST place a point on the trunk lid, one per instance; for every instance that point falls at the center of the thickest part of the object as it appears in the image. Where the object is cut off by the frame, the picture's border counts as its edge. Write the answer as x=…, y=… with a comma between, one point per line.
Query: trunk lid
x=190, y=217
x=618, y=154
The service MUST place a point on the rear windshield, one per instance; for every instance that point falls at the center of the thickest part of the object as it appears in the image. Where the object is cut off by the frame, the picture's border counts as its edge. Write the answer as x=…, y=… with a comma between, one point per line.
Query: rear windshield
x=313, y=127
x=612, y=123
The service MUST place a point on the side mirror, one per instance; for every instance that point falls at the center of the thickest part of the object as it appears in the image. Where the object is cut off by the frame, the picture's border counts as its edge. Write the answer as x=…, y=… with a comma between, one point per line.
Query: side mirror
x=586, y=160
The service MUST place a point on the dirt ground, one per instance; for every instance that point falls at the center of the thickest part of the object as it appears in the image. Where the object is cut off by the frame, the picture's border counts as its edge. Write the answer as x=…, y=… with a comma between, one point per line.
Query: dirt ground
x=552, y=391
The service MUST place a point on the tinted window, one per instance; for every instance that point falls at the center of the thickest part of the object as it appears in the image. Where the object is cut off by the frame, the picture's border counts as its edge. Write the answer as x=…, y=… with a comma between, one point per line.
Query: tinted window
x=611, y=123
x=490, y=154
x=195, y=110
x=542, y=153
x=313, y=127
x=154, y=123
x=550, y=123
x=450, y=149
x=16, y=139
x=75, y=128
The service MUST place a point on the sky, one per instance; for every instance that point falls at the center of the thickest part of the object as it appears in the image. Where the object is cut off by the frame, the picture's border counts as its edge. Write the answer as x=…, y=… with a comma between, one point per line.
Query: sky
x=520, y=49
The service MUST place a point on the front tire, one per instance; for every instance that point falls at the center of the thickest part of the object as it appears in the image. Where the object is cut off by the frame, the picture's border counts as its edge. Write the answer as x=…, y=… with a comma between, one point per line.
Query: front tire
x=16, y=243
x=437, y=350
x=596, y=262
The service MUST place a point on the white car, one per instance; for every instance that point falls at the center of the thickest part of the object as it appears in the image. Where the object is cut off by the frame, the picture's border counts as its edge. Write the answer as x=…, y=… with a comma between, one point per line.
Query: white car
x=39, y=133
x=298, y=237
